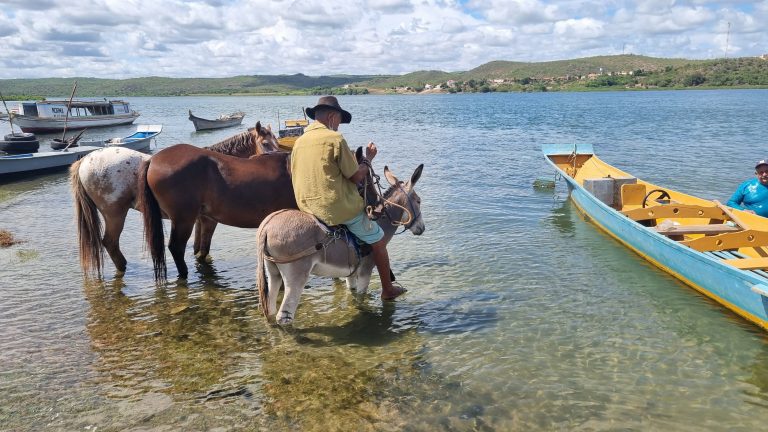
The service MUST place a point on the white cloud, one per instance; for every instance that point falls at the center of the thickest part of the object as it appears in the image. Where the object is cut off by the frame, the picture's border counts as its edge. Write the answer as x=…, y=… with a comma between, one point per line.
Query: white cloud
x=584, y=28
x=216, y=38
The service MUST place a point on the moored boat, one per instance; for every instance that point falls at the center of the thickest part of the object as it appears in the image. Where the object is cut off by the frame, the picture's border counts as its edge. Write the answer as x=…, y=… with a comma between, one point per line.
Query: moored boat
x=53, y=115
x=139, y=140
x=31, y=163
x=720, y=252
x=287, y=136
x=223, y=121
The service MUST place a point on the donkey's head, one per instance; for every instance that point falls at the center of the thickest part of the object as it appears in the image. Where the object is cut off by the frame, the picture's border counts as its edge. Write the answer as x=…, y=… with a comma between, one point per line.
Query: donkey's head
x=404, y=196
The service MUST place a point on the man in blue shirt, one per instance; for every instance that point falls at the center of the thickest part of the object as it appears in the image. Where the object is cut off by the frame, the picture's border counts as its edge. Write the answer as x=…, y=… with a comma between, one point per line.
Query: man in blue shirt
x=752, y=195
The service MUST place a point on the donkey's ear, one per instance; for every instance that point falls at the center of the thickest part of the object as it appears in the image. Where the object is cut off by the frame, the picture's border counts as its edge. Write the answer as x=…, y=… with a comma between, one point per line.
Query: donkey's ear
x=416, y=175
x=359, y=154
x=390, y=177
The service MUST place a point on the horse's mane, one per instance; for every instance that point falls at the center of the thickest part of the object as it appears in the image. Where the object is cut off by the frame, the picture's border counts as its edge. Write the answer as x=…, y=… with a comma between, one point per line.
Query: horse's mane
x=242, y=143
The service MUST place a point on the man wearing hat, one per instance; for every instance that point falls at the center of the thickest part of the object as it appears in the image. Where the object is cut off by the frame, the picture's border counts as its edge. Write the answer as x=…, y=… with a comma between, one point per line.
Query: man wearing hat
x=752, y=195
x=325, y=174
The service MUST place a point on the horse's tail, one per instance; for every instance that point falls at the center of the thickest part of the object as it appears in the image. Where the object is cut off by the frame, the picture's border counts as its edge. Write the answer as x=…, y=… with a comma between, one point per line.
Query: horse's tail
x=153, y=223
x=261, y=269
x=89, y=229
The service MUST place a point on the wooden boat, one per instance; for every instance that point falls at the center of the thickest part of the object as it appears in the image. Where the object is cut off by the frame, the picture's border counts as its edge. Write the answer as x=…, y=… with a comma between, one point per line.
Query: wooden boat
x=139, y=140
x=720, y=252
x=224, y=120
x=30, y=163
x=288, y=135
x=51, y=115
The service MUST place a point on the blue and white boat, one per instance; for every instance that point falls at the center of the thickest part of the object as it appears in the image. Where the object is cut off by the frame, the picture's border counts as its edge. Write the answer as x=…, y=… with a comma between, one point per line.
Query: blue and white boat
x=139, y=140
x=720, y=252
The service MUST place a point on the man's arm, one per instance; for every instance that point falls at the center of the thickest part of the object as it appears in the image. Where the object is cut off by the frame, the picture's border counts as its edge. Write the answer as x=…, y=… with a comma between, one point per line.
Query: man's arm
x=737, y=198
x=362, y=168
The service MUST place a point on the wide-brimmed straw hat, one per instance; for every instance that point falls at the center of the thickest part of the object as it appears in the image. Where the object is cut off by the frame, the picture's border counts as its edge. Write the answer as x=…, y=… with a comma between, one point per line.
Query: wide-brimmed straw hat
x=330, y=102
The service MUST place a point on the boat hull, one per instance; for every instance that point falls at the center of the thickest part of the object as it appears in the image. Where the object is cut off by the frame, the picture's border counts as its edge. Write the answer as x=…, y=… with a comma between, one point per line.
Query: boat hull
x=35, y=162
x=205, y=124
x=736, y=289
x=56, y=124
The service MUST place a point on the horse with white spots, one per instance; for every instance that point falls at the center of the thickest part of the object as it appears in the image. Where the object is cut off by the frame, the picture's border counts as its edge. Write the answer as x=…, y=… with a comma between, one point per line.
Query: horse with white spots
x=105, y=181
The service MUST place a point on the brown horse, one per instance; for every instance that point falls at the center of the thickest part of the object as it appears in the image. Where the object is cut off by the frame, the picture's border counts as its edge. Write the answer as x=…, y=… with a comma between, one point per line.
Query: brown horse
x=186, y=182
x=105, y=181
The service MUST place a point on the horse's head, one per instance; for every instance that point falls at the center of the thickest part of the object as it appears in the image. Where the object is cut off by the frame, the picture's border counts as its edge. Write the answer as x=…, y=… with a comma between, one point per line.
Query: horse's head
x=265, y=139
x=253, y=142
x=404, y=197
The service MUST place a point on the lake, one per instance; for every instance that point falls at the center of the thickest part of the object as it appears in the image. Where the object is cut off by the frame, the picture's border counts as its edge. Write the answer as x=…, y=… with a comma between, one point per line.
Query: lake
x=520, y=314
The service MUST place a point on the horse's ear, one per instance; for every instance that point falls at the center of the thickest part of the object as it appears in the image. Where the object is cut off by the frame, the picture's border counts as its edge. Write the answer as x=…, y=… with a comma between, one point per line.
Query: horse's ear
x=416, y=175
x=359, y=154
x=389, y=176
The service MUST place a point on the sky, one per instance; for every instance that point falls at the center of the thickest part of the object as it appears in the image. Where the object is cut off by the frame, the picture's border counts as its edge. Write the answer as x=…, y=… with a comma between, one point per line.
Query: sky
x=222, y=38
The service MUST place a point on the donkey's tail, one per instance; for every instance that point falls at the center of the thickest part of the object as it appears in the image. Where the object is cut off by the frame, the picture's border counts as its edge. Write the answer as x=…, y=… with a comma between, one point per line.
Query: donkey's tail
x=89, y=231
x=153, y=223
x=261, y=269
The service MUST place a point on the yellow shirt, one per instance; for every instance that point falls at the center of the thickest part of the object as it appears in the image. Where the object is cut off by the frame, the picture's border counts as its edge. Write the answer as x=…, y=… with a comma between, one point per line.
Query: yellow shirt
x=321, y=164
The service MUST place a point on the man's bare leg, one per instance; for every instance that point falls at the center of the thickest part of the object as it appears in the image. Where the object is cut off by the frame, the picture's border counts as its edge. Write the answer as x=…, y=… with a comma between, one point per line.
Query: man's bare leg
x=381, y=258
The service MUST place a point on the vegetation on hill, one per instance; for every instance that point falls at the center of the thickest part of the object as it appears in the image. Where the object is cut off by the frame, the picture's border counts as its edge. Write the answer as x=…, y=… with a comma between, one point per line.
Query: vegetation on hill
x=585, y=74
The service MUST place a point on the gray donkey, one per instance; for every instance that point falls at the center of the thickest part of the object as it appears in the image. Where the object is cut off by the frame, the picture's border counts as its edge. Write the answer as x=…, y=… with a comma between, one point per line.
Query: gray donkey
x=292, y=245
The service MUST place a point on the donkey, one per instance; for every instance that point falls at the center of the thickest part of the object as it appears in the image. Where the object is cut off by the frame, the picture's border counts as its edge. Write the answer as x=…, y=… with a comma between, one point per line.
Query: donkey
x=106, y=181
x=292, y=245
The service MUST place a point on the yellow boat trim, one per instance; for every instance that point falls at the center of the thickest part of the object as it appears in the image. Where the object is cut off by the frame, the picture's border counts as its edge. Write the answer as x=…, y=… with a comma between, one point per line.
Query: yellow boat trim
x=744, y=314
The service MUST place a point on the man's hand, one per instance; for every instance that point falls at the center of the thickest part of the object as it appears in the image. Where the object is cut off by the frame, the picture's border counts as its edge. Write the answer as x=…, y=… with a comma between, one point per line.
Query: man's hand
x=370, y=151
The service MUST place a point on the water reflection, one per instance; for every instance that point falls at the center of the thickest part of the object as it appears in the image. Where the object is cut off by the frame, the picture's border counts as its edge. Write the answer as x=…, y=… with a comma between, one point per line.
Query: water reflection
x=178, y=340
x=211, y=345
x=561, y=217
x=12, y=186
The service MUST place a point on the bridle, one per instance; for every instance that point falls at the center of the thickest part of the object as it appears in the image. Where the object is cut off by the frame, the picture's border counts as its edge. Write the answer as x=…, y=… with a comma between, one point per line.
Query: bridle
x=410, y=212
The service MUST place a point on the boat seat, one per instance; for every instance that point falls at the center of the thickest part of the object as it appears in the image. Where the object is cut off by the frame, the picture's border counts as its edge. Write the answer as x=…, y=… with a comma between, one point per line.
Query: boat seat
x=675, y=211
x=748, y=263
x=632, y=195
x=729, y=240
x=696, y=229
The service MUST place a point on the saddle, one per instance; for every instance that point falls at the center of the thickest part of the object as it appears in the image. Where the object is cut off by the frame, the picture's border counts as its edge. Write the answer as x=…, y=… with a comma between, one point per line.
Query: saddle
x=341, y=232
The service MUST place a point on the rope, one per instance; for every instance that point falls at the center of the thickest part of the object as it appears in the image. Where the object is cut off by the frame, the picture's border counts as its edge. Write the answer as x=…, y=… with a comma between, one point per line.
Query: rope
x=377, y=183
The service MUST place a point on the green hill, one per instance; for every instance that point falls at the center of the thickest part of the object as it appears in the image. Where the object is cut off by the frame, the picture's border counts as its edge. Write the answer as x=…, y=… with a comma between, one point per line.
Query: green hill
x=591, y=73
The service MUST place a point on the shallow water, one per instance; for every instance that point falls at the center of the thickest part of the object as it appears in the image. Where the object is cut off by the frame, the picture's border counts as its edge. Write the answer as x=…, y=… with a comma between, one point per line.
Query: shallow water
x=520, y=315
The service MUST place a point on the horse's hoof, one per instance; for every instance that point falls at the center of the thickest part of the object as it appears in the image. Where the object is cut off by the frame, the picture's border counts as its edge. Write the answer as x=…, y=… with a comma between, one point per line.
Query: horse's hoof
x=285, y=321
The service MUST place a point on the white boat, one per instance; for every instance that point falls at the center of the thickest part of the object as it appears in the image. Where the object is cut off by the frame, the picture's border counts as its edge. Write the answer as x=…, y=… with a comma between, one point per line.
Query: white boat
x=19, y=164
x=139, y=140
x=51, y=115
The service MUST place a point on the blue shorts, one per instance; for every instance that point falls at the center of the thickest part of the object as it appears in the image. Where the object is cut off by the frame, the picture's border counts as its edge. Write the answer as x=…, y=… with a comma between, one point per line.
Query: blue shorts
x=365, y=229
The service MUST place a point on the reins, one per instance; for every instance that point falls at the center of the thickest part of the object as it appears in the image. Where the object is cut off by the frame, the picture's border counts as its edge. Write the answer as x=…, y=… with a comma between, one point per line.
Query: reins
x=369, y=209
